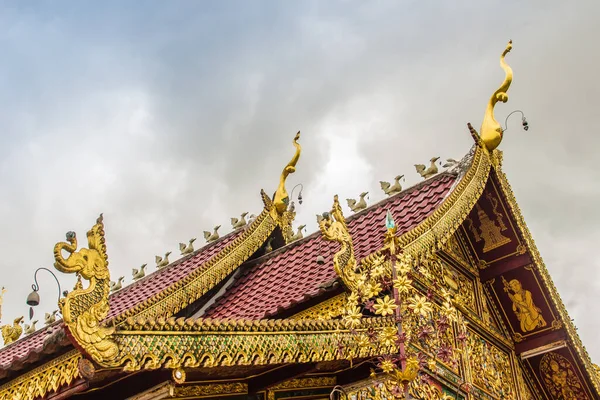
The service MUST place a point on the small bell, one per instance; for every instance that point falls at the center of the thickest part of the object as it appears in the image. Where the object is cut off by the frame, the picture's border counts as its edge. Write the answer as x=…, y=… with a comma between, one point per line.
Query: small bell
x=320, y=260
x=525, y=124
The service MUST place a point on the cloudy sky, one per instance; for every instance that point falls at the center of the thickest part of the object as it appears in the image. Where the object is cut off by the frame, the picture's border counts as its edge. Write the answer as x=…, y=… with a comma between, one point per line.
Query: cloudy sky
x=169, y=117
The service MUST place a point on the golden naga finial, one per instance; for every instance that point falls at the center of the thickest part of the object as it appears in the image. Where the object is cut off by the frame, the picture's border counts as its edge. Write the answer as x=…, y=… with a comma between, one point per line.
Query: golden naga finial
x=333, y=228
x=491, y=130
x=281, y=198
x=84, y=309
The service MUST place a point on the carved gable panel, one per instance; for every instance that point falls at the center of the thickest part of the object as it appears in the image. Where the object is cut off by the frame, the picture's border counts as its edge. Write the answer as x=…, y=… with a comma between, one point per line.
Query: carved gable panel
x=523, y=303
x=490, y=234
x=559, y=375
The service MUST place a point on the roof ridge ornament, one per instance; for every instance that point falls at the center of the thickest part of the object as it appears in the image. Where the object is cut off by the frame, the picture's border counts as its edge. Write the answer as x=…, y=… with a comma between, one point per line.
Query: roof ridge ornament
x=84, y=309
x=281, y=198
x=491, y=131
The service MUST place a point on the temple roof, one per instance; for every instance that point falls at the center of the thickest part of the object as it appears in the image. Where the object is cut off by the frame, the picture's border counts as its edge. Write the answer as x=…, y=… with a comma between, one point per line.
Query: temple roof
x=291, y=275
x=253, y=294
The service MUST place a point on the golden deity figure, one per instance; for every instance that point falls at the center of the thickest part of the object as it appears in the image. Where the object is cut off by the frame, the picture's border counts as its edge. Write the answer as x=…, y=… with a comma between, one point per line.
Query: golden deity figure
x=526, y=311
x=560, y=378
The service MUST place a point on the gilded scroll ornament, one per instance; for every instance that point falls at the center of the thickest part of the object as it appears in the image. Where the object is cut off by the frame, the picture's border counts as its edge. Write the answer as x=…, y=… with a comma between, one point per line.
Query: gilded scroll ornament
x=491, y=131
x=489, y=231
x=560, y=378
x=45, y=379
x=529, y=316
x=84, y=309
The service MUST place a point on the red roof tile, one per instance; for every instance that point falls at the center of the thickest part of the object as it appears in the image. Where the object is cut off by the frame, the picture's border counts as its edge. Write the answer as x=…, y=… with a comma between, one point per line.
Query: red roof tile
x=22, y=350
x=291, y=274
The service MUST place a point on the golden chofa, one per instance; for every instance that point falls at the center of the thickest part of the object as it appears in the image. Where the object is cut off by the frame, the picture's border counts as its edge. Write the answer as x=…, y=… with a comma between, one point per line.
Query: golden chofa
x=491, y=131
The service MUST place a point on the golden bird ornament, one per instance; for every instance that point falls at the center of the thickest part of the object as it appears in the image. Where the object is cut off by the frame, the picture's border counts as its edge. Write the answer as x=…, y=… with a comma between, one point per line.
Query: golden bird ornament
x=428, y=172
x=11, y=333
x=359, y=205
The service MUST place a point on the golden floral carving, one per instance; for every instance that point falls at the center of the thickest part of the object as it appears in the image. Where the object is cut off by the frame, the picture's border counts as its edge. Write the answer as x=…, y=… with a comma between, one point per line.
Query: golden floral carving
x=560, y=378
x=328, y=309
x=43, y=380
x=84, y=310
x=376, y=388
x=490, y=367
x=529, y=315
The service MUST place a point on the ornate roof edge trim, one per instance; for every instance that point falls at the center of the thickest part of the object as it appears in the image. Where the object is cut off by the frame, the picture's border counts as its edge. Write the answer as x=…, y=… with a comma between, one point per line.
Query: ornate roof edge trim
x=432, y=234
x=192, y=287
x=227, y=326
x=546, y=278
x=47, y=378
x=211, y=343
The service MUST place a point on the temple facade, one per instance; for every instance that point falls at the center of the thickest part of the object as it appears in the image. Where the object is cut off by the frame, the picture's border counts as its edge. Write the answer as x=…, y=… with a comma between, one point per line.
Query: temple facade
x=436, y=292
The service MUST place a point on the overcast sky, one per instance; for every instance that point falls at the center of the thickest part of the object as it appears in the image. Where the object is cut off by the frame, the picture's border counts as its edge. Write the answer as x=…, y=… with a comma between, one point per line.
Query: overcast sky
x=169, y=117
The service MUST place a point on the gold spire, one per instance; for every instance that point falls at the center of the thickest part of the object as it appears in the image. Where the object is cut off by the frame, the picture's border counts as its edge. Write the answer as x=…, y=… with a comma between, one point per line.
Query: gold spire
x=281, y=198
x=491, y=131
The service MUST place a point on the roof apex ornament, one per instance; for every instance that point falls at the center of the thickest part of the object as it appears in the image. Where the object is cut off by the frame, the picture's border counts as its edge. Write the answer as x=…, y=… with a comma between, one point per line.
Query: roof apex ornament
x=281, y=198
x=84, y=309
x=491, y=130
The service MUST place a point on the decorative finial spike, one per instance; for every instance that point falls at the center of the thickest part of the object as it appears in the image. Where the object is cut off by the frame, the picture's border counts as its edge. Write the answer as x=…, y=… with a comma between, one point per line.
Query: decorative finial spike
x=281, y=198
x=389, y=220
x=491, y=131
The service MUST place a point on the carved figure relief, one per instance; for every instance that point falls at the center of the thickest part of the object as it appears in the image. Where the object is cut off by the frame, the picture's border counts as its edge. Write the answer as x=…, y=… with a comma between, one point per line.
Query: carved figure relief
x=560, y=378
x=489, y=230
x=528, y=314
